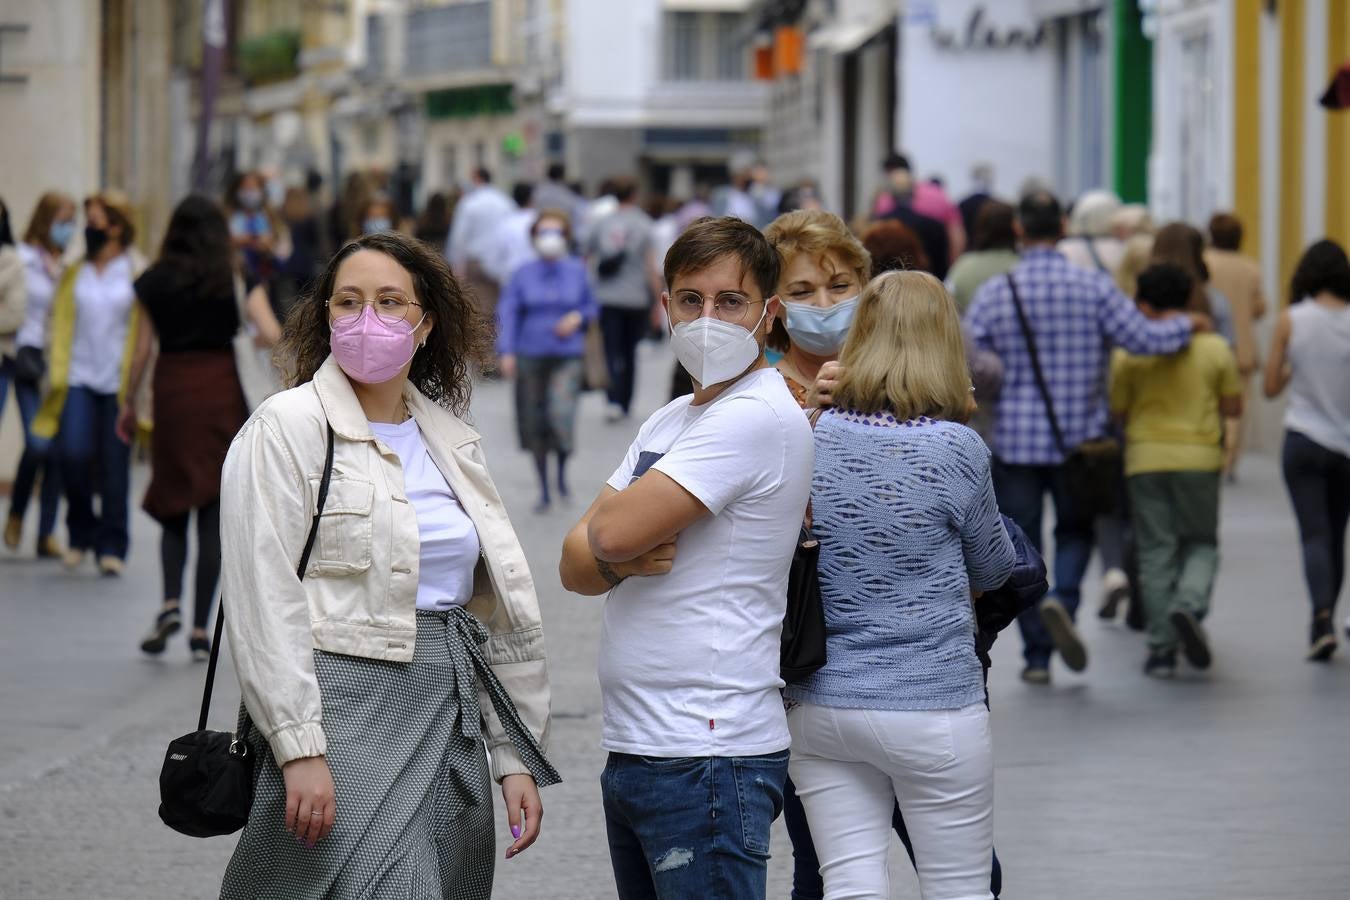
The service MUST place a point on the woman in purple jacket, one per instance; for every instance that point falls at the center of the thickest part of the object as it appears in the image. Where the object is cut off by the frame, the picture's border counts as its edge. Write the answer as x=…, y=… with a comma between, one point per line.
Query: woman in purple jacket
x=542, y=318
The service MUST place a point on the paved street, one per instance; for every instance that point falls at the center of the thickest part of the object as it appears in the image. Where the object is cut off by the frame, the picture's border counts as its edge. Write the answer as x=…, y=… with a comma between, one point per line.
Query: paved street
x=1227, y=785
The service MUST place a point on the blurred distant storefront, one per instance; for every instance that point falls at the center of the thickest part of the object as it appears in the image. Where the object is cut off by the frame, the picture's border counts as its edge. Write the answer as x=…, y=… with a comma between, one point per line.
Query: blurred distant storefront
x=660, y=88
x=832, y=108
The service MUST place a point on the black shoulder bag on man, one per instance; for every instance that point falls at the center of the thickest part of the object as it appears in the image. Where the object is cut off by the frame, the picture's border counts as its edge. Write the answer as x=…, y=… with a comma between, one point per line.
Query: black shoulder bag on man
x=1092, y=468
x=802, y=650
x=206, y=784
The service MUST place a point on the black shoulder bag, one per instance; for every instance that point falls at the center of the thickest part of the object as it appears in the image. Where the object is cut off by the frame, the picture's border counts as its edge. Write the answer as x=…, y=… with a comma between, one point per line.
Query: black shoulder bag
x=1093, y=468
x=802, y=650
x=206, y=784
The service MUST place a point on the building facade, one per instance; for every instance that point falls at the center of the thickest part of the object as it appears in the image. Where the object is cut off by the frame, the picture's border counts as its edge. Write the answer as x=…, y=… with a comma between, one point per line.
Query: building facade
x=661, y=89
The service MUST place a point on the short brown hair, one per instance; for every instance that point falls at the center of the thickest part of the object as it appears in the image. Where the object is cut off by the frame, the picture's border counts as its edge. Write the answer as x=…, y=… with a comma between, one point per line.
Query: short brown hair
x=44, y=214
x=1225, y=231
x=817, y=233
x=994, y=227
x=553, y=213
x=905, y=353
x=460, y=338
x=894, y=245
x=708, y=239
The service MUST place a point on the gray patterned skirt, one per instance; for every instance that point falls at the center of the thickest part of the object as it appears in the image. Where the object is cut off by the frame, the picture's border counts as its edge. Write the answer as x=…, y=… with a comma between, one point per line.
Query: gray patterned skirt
x=414, y=801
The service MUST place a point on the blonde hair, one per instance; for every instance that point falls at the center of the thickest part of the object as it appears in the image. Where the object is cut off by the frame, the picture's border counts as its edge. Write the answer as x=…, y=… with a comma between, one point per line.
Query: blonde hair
x=48, y=207
x=817, y=233
x=1135, y=259
x=905, y=353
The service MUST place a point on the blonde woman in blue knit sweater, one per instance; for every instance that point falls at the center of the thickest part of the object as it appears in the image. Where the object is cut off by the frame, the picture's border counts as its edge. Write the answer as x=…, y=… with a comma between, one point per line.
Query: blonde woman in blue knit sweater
x=905, y=513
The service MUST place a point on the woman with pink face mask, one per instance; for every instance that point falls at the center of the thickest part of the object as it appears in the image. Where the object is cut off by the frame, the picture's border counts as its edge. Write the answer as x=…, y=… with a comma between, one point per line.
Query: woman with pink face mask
x=381, y=614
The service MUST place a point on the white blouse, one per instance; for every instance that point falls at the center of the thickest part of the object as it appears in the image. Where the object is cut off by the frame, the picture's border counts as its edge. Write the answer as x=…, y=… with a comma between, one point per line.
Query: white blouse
x=450, y=544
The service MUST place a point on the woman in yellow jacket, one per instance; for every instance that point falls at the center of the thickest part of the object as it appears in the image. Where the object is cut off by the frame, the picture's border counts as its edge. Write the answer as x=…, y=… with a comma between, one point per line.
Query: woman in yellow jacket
x=93, y=330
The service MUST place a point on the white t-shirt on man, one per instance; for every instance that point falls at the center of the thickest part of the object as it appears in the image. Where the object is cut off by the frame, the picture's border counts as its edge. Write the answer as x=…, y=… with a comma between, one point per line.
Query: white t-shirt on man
x=689, y=660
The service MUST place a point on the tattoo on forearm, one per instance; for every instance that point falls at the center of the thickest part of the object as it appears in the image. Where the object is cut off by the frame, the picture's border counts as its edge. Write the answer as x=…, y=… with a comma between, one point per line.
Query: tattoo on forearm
x=612, y=578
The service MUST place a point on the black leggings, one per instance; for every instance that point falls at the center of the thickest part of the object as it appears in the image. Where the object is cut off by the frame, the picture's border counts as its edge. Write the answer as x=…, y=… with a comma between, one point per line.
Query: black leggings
x=1318, y=480
x=173, y=559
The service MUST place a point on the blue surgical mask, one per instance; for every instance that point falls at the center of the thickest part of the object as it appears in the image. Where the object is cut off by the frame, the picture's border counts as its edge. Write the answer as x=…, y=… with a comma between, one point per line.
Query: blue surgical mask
x=820, y=330
x=61, y=233
x=376, y=224
x=250, y=198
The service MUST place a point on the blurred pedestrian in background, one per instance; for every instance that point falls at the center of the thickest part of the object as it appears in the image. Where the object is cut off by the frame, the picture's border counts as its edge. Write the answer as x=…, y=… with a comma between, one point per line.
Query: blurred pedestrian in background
x=1183, y=246
x=94, y=325
x=1134, y=226
x=189, y=301
x=822, y=270
x=1238, y=278
x=433, y=225
x=930, y=199
x=898, y=203
x=1310, y=357
x=541, y=339
x=1072, y=314
x=981, y=192
x=344, y=218
x=553, y=193
x=902, y=680
x=1173, y=409
x=513, y=243
x=378, y=215
x=298, y=267
x=50, y=230
x=13, y=302
x=627, y=284
x=1092, y=243
x=993, y=252
x=375, y=676
x=892, y=246
x=252, y=225
x=472, y=241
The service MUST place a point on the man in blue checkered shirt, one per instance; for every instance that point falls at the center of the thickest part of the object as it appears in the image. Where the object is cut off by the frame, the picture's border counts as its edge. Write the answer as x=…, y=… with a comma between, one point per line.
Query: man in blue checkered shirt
x=1076, y=316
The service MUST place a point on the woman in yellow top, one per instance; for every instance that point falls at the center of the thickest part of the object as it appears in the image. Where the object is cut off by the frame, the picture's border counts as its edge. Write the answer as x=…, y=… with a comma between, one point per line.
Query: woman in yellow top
x=93, y=330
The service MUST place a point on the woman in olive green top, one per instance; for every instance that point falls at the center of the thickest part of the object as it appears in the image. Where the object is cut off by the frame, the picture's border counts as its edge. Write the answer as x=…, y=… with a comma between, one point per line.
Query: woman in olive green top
x=993, y=253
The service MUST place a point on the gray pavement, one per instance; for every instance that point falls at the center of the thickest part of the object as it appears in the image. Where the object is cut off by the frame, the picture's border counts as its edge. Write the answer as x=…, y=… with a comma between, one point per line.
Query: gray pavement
x=1232, y=784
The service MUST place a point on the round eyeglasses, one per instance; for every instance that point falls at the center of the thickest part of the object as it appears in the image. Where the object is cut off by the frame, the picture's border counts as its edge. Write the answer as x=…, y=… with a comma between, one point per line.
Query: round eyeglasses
x=729, y=306
x=391, y=308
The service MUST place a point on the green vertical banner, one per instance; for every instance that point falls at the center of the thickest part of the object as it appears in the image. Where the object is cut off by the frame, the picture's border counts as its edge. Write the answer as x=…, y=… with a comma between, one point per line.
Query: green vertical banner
x=1132, y=57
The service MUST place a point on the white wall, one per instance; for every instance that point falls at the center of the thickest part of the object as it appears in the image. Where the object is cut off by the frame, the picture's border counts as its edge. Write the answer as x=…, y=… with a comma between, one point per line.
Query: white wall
x=960, y=107
x=612, y=59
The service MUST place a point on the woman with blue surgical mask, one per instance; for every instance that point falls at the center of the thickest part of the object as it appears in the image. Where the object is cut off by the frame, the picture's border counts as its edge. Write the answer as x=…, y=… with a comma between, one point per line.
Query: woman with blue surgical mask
x=50, y=230
x=378, y=215
x=823, y=270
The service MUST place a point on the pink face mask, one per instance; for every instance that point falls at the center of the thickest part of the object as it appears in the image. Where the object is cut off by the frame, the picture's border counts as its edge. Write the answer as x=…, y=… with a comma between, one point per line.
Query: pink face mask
x=372, y=351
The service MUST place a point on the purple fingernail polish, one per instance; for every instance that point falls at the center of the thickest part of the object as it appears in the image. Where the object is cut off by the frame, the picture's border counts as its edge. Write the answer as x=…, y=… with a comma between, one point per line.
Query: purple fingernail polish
x=515, y=832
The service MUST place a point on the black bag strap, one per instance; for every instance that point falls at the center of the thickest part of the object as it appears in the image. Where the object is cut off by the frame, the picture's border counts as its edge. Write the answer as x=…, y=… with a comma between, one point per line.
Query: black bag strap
x=1036, y=366
x=808, y=519
x=299, y=573
x=1091, y=243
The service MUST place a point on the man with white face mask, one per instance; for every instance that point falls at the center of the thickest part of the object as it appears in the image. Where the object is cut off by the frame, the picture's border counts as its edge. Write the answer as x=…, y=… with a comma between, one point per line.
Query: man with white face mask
x=692, y=538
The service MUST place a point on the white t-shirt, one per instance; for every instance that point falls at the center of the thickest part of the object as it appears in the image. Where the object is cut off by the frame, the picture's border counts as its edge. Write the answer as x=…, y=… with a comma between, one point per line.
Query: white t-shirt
x=689, y=660
x=102, y=317
x=449, y=539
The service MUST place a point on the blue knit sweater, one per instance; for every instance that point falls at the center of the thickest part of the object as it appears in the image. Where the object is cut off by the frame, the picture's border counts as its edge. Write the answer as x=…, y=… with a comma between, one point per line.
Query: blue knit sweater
x=908, y=527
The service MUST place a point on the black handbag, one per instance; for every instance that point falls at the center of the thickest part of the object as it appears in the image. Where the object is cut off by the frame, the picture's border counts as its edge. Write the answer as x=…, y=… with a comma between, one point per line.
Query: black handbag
x=1094, y=469
x=802, y=649
x=206, y=783
x=29, y=364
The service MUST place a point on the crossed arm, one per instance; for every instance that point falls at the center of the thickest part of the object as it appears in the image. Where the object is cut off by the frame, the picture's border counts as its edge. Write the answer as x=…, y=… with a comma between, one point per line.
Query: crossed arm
x=627, y=533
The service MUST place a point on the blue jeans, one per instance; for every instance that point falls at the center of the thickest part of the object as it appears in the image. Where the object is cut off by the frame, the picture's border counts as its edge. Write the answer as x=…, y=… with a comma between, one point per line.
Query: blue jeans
x=1021, y=494
x=91, y=453
x=691, y=826
x=38, y=456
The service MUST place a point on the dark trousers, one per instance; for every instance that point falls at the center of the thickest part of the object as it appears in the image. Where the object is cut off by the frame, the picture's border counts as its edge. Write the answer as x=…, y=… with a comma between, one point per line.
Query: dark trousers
x=1176, y=519
x=623, y=329
x=693, y=826
x=94, y=460
x=1318, y=480
x=1021, y=494
x=173, y=551
x=39, y=456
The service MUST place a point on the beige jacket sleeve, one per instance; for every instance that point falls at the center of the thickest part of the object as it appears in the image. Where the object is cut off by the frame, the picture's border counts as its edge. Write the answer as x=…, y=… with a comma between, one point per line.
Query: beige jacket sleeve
x=265, y=514
x=13, y=295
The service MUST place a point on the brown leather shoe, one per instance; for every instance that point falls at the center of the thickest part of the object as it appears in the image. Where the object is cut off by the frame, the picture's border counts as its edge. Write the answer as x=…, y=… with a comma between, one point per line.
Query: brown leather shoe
x=13, y=532
x=49, y=548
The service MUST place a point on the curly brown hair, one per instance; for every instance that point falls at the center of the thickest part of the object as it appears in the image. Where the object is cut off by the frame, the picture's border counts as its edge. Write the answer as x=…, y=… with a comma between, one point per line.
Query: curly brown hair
x=460, y=339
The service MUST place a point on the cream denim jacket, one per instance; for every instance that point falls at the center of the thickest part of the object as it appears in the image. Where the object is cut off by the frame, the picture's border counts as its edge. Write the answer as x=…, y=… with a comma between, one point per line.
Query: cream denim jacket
x=360, y=589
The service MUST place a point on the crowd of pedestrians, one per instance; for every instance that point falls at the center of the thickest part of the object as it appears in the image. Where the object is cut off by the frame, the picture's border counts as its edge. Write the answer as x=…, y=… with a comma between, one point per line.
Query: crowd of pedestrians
x=901, y=393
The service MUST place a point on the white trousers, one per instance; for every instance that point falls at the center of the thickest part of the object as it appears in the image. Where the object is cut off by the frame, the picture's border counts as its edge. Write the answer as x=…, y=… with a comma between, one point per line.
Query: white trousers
x=850, y=767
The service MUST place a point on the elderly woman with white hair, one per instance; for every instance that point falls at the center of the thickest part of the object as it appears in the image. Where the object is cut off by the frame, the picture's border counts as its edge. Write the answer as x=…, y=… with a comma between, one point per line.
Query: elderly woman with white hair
x=1092, y=242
